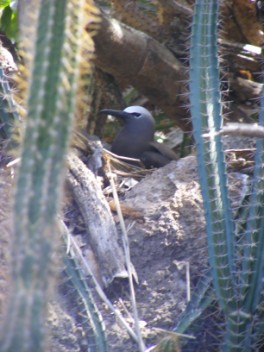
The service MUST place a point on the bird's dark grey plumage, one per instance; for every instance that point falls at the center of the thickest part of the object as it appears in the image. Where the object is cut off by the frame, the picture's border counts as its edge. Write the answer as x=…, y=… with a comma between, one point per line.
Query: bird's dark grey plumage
x=136, y=138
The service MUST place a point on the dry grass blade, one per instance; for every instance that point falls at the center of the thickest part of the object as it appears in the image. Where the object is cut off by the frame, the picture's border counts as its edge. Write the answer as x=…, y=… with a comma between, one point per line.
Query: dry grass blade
x=128, y=261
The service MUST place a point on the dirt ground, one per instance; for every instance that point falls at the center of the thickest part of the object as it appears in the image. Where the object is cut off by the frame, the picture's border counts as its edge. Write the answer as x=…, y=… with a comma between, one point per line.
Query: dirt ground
x=167, y=243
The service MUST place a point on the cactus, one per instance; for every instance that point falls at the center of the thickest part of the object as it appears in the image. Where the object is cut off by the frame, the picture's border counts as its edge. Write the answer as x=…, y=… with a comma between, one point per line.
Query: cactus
x=206, y=117
x=50, y=110
x=235, y=252
x=91, y=319
x=8, y=108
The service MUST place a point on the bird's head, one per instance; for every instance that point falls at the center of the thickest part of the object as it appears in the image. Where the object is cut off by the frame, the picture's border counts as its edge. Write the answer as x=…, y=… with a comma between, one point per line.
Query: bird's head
x=132, y=115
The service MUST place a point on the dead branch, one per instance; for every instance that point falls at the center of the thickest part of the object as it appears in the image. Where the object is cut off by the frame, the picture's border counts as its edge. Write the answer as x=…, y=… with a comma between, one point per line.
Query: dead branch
x=98, y=220
x=143, y=62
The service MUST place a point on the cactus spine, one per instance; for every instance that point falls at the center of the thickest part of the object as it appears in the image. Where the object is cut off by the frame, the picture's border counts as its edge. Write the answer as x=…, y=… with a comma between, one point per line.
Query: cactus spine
x=50, y=110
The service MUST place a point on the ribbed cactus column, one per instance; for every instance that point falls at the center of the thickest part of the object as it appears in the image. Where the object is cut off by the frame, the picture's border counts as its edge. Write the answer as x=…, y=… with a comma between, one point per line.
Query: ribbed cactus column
x=236, y=258
x=50, y=110
x=206, y=118
x=8, y=108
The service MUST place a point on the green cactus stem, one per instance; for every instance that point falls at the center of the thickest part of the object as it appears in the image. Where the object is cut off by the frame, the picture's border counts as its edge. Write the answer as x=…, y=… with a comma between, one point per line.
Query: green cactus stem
x=50, y=111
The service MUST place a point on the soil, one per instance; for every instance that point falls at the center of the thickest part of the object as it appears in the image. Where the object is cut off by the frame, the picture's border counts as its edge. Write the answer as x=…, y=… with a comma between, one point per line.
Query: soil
x=167, y=244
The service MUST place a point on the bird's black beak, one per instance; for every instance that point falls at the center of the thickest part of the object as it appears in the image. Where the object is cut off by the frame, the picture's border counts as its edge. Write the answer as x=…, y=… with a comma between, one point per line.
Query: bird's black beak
x=116, y=113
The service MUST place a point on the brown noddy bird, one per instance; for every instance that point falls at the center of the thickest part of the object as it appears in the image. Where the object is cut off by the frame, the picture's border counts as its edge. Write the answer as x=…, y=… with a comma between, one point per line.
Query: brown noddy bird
x=136, y=138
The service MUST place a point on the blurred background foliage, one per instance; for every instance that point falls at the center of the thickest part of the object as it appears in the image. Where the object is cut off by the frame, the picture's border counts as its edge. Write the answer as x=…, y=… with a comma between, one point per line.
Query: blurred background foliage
x=9, y=20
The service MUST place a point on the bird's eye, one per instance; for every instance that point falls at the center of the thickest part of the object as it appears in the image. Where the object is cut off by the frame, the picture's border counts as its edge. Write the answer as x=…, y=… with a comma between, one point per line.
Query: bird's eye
x=136, y=114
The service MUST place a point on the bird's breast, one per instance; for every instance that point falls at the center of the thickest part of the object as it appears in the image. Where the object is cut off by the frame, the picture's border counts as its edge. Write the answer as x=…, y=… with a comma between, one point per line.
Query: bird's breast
x=132, y=142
